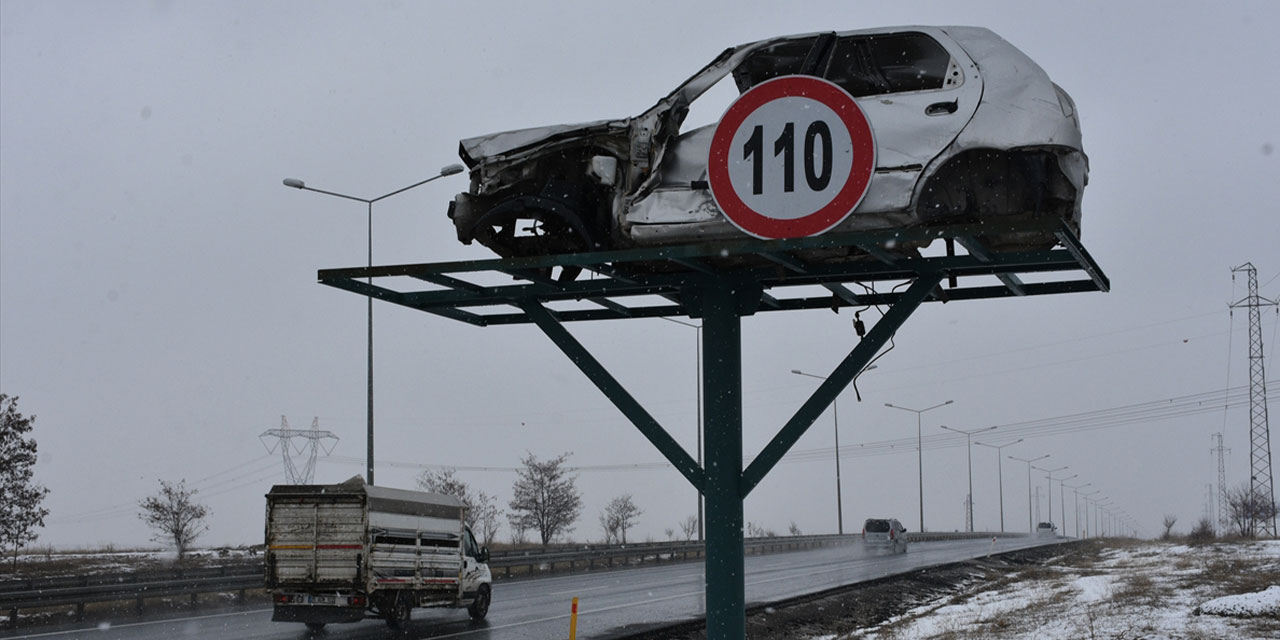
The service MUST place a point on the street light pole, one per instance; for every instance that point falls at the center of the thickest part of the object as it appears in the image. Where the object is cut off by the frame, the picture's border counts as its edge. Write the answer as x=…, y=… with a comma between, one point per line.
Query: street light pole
x=1000, y=473
x=447, y=170
x=1102, y=513
x=1086, y=496
x=969, y=450
x=1062, y=500
x=1097, y=516
x=919, y=450
x=835, y=413
x=1049, y=475
x=698, y=386
x=1086, y=510
x=1075, y=488
x=1030, y=516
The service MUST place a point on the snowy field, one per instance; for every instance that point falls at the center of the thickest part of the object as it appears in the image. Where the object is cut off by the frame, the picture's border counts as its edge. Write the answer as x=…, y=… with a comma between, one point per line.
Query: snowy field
x=52, y=563
x=1146, y=590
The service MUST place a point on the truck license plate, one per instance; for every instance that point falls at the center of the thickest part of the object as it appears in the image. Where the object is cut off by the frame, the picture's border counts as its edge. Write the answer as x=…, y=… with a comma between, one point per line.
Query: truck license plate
x=319, y=599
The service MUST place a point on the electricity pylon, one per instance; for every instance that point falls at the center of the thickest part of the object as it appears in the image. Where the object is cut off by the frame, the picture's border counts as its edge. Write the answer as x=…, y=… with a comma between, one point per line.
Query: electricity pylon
x=1221, y=515
x=313, y=444
x=1261, y=485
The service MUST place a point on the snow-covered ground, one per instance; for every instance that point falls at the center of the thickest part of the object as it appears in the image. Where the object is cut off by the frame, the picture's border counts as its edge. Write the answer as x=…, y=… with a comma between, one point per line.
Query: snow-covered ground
x=54, y=564
x=1148, y=590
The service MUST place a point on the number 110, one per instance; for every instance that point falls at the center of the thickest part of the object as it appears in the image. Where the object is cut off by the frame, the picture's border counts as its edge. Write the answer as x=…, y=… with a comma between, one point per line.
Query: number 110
x=785, y=146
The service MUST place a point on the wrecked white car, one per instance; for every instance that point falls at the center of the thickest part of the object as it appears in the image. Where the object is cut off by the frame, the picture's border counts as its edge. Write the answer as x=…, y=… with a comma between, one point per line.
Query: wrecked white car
x=967, y=129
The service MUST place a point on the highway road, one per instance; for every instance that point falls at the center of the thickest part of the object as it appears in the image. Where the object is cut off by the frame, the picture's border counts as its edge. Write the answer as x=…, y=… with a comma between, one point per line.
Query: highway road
x=612, y=604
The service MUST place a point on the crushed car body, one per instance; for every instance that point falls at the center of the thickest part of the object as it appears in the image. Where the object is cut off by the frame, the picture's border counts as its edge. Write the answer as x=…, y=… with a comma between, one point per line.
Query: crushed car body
x=967, y=129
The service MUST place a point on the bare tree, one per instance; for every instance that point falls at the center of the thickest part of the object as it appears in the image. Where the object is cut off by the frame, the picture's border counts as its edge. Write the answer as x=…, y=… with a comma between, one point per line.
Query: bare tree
x=1248, y=510
x=617, y=517
x=1169, y=520
x=609, y=527
x=444, y=481
x=487, y=515
x=545, y=498
x=689, y=526
x=482, y=511
x=517, y=536
x=671, y=533
x=794, y=529
x=20, y=496
x=174, y=515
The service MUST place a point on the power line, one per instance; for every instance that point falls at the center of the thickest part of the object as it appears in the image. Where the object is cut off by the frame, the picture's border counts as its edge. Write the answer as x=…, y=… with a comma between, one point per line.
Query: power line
x=1151, y=411
x=123, y=509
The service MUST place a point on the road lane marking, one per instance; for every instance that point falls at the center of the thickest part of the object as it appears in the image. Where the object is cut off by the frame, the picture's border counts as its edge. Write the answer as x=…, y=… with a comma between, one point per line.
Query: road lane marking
x=581, y=613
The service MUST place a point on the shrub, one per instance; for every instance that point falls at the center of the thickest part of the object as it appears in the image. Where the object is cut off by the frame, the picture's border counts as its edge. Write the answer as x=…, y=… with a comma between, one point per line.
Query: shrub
x=1202, y=533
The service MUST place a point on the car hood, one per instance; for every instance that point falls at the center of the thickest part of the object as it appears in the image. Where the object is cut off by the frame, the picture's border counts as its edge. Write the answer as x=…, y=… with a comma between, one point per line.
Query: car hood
x=494, y=145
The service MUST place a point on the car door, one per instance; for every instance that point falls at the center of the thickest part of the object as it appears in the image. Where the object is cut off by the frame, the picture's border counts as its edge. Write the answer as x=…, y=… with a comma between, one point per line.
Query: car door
x=472, y=569
x=918, y=89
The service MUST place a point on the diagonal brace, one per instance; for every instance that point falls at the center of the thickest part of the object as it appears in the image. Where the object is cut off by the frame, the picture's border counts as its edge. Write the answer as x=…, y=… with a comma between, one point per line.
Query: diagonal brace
x=854, y=363
x=613, y=390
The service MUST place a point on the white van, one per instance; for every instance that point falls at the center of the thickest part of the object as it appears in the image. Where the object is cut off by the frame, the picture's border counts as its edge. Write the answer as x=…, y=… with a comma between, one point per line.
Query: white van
x=884, y=534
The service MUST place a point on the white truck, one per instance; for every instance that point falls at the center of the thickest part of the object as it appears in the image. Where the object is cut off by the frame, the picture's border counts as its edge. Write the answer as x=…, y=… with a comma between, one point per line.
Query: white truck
x=344, y=552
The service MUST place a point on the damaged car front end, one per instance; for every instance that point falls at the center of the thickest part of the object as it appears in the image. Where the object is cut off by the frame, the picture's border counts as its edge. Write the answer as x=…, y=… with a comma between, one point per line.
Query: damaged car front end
x=967, y=129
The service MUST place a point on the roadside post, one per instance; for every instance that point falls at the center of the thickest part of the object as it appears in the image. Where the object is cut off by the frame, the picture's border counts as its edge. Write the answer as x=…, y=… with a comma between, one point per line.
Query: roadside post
x=573, y=620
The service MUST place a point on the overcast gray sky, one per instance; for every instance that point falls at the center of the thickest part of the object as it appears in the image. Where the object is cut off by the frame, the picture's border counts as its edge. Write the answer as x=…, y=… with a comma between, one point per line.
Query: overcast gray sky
x=159, y=306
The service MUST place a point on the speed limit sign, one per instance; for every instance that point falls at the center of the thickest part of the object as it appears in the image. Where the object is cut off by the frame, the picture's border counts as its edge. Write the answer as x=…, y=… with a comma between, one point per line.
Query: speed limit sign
x=792, y=157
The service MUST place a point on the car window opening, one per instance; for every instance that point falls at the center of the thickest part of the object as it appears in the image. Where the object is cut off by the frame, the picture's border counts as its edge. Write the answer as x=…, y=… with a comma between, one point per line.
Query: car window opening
x=895, y=63
x=781, y=59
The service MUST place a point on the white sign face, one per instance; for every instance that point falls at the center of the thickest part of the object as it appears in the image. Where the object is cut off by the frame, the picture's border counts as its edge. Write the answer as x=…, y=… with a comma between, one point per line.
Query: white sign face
x=789, y=166
x=792, y=157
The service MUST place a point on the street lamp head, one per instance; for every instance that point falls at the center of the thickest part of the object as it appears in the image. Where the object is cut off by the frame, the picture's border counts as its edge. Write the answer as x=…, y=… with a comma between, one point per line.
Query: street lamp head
x=797, y=372
x=948, y=402
x=451, y=169
x=295, y=183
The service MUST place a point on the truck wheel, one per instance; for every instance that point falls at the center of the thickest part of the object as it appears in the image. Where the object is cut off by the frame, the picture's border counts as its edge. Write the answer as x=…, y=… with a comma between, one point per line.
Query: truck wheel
x=315, y=627
x=397, y=612
x=480, y=606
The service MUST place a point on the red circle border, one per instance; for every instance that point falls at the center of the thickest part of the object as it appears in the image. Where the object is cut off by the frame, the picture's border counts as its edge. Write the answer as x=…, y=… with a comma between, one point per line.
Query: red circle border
x=833, y=213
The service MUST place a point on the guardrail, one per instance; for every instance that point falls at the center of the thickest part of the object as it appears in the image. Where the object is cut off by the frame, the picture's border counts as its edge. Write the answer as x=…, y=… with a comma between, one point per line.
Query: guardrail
x=137, y=587
x=82, y=590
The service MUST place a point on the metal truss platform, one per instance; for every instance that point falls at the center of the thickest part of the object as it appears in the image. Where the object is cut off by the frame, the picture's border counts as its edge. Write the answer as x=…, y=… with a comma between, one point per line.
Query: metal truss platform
x=653, y=282
x=721, y=282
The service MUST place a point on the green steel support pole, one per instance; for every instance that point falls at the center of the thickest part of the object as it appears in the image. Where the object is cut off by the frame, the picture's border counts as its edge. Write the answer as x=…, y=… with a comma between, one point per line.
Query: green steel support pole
x=722, y=429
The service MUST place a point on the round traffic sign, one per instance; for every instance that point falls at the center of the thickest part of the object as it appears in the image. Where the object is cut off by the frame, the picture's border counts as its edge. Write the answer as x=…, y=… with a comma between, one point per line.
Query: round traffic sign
x=791, y=157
